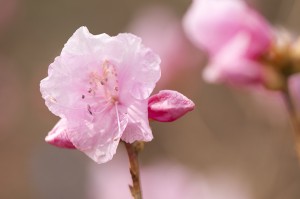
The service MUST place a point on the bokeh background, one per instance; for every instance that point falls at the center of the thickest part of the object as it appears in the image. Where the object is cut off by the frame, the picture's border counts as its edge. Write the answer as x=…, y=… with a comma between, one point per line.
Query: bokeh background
x=232, y=132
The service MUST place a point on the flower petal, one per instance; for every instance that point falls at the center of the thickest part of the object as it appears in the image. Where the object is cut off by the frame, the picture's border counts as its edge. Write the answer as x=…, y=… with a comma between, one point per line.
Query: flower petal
x=100, y=137
x=58, y=136
x=138, y=123
x=168, y=105
x=210, y=24
x=138, y=75
x=233, y=65
x=83, y=42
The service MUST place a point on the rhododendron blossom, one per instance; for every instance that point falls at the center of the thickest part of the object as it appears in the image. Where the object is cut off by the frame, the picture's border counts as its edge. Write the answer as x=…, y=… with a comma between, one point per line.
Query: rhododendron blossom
x=235, y=37
x=99, y=87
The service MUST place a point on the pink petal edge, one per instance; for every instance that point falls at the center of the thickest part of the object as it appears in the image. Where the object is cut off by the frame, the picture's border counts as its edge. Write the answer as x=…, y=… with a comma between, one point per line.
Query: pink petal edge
x=58, y=136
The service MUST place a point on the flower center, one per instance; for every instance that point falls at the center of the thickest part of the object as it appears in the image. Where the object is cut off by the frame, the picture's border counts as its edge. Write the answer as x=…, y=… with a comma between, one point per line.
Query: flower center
x=106, y=83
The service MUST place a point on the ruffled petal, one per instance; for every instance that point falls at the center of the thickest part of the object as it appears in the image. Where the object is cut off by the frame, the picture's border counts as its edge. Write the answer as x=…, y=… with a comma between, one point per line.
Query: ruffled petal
x=82, y=42
x=100, y=137
x=138, y=128
x=139, y=74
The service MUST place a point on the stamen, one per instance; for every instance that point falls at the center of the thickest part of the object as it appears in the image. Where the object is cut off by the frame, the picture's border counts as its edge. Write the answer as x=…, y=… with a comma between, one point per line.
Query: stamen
x=105, y=83
x=90, y=109
x=118, y=118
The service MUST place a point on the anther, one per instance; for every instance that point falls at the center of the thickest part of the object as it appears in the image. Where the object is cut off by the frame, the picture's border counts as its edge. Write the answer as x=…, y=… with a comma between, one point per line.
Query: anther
x=89, y=109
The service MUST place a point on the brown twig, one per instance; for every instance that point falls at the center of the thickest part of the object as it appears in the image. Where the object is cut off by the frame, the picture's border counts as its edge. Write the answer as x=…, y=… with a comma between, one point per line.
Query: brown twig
x=133, y=151
x=293, y=118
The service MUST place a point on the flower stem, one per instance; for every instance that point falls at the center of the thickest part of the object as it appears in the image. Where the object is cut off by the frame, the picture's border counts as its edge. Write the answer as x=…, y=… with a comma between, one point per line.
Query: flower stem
x=293, y=118
x=133, y=151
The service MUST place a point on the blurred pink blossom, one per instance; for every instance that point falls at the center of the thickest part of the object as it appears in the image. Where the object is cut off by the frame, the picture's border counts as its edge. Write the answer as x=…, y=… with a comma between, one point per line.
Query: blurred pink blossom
x=233, y=65
x=161, y=30
x=234, y=35
x=99, y=87
x=168, y=106
x=163, y=180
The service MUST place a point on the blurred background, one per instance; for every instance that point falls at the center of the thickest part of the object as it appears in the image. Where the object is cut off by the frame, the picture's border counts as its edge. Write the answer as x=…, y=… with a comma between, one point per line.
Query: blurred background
x=234, y=138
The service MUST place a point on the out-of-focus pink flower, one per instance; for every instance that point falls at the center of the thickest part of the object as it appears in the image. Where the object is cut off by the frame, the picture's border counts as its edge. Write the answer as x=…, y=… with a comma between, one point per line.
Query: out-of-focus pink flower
x=211, y=24
x=235, y=37
x=232, y=64
x=161, y=181
x=99, y=86
x=167, y=106
x=161, y=30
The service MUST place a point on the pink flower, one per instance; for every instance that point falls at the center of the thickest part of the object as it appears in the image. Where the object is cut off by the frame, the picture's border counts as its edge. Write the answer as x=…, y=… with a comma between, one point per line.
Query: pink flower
x=232, y=64
x=235, y=37
x=99, y=87
x=168, y=106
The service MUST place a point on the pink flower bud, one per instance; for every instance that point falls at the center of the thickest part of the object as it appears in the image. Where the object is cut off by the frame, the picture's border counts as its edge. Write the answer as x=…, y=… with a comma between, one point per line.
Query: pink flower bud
x=168, y=106
x=58, y=136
